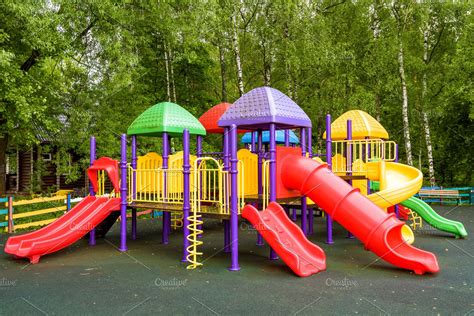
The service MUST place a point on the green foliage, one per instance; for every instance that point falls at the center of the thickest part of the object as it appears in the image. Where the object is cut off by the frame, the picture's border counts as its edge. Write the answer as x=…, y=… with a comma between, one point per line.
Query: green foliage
x=81, y=68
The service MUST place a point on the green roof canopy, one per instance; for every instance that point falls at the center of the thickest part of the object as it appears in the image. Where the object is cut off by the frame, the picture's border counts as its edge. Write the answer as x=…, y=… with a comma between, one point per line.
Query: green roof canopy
x=165, y=117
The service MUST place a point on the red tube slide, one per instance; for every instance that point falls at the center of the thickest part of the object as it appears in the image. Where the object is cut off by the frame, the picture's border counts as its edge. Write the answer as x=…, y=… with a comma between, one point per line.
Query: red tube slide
x=380, y=232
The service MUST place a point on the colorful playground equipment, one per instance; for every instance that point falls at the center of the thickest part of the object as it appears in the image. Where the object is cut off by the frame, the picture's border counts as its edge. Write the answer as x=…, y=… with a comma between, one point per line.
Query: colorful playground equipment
x=365, y=183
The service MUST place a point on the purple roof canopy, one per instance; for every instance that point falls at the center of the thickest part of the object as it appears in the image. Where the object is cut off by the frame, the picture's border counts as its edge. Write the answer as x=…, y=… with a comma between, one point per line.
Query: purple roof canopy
x=262, y=106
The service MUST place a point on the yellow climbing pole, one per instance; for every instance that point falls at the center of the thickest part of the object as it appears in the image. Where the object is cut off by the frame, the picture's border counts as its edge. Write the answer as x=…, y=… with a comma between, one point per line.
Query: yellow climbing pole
x=194, y=232
x=176, y=220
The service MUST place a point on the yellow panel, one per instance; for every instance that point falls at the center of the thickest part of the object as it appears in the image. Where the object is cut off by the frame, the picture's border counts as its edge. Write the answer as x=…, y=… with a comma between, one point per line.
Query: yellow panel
x=250, y=165
x=363, y=125
x=339, y=164
x=361, y=185
x=150, y=161
x=147, y=181
x=175, y=179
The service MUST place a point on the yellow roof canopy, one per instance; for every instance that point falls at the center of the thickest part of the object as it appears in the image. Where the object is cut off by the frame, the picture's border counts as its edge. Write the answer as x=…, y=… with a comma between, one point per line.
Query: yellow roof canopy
x=363, y=125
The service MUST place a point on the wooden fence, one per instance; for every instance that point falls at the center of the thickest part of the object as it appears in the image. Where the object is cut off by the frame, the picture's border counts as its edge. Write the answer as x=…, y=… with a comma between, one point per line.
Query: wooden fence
x=10, y=216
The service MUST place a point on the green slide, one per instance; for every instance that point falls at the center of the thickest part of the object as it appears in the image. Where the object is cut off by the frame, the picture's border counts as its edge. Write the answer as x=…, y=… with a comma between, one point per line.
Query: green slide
x=434, y=219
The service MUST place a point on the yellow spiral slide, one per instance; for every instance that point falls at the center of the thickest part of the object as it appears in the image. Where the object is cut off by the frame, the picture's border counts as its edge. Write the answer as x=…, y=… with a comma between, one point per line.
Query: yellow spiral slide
x=398, y=182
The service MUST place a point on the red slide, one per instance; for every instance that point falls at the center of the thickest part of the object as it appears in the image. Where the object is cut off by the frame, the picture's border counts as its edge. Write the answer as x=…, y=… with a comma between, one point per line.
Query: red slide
x=287, y=239
x=380, y=232
x=64, y=231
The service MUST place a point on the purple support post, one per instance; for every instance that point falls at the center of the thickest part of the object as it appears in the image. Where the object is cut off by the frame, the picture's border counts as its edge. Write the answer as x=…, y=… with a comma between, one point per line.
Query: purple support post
x=329, y=162
x=252, y=147
x=166, y=226
x=272, y=131
x=123, y=194
x=92, y=157
x=134, y=183
x=287, y=143
x=293, y=215
x=368, y=159
x=309, y=141
x=187, y=193
x=234, y=207
x=304, y=213
x=10, y=214
x=260, y=186
x=396, y=160
x=225, y=150
x=287, y=138
x=349, y=159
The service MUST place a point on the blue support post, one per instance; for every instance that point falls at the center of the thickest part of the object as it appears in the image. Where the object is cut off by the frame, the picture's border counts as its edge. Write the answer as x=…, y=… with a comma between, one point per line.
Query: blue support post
x=68, y=202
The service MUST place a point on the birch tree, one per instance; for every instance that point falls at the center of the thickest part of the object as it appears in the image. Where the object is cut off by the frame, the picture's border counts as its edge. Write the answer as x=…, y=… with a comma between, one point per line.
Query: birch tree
x=401, y=14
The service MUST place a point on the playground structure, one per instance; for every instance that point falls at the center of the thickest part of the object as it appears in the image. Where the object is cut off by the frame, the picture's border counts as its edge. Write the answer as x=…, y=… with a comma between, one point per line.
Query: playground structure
x=236, y=183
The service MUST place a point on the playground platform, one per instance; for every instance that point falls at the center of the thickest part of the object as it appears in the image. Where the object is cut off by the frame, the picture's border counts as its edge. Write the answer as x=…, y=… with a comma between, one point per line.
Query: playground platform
x=148, y=278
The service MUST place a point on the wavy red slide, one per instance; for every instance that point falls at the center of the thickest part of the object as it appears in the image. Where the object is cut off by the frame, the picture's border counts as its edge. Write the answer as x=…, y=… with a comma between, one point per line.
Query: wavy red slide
x=380, y=232
x=64, y=231
x=287, y=239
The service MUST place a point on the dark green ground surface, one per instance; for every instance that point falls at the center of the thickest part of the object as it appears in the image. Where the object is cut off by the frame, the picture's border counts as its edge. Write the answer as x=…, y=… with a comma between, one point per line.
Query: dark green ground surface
x=150, y=279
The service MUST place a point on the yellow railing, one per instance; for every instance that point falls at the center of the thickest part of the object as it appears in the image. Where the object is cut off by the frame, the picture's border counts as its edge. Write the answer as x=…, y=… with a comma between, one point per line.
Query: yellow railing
x=176, y=220
x=207, y=177
x=101, y=177
x=360, y=152
x=151, y=183
x=100, y=183
x=212, y=185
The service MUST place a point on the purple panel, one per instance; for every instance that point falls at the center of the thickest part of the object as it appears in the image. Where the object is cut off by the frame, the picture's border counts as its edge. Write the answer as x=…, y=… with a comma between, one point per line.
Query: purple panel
x=262, y=106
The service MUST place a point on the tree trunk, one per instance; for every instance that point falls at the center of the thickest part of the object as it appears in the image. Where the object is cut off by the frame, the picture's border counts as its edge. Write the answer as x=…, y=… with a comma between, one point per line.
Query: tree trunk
x=3, y=156
x=378, y=107
x=167, y=68
x=235, y=45
x=406, y=124
x=425, y=121
x=267, y=74
x=172, y=82
x=266, y=65
x=223, y=73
